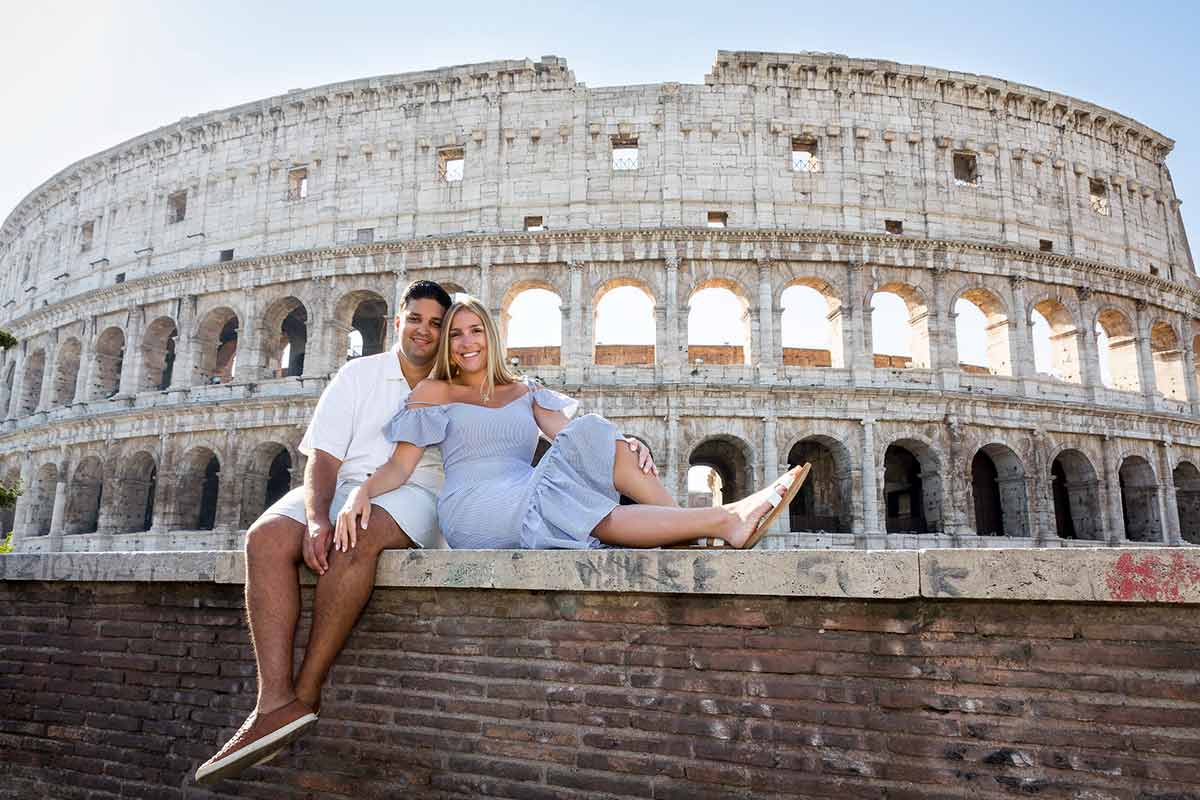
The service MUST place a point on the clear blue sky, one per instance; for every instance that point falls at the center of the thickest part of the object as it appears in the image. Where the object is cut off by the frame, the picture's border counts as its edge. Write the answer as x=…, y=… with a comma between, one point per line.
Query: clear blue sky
x=81, y=77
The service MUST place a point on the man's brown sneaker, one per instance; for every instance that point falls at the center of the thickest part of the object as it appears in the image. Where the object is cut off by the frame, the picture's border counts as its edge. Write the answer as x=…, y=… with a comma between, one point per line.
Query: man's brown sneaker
x=260, y=737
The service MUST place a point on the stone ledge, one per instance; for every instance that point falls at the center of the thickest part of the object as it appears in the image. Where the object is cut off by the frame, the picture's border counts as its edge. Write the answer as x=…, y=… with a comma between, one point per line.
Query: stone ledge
x=1106, y=575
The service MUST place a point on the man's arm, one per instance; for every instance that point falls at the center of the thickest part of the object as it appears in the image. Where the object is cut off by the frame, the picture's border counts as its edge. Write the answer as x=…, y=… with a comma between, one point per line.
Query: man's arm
x=320, y=483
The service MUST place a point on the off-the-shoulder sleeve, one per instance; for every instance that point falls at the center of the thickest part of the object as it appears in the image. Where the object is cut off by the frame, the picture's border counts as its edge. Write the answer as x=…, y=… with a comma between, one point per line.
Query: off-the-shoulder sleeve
x=552, y=400
x=419, y=425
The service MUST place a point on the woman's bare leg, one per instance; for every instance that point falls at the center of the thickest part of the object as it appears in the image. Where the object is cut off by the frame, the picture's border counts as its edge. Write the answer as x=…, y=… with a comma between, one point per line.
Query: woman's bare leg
x=630, y=481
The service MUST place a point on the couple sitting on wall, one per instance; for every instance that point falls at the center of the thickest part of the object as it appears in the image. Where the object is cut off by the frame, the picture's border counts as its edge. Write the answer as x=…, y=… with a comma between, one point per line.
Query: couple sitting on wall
x=374, y=480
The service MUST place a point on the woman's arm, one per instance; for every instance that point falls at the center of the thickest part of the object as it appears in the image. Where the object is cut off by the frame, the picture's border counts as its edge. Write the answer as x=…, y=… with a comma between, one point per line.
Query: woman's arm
x=391, y=475
x=550, y=422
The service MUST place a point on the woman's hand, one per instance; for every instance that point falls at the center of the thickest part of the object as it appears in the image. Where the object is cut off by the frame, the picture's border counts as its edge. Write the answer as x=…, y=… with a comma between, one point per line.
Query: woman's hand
x=645, y=460
x=345, y=536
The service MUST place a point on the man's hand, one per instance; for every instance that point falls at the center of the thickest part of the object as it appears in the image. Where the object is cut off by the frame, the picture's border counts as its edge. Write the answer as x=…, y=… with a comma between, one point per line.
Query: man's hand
x=318, y=541
x=645, y=461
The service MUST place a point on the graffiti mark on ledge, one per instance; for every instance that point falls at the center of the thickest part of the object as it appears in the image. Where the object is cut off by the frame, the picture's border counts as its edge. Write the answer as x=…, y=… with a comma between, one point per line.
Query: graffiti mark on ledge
x=1152, y=578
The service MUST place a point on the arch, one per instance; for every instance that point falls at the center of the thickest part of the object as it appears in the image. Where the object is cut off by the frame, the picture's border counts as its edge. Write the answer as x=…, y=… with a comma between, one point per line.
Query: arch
x=266, y=478
x=365, y=313
x=704, y=487
x=8, y=516
x=136, y=490
x=41, y=499
x=1139, y=500
x=108, y=361
x=31, y=383
x=815, y=344
x=718, y=323
x=1186, y=478
x=824, y=502
x=987, y=330
x=217, y=345
x=624, y=325
x=198, y=490
x=1057, y=337
x=285, y=337
x=731, y=458
x=531, y=323
x=82, y=512
x=158, y=354
x=66, y=373
x=10, y=379
x=914, y=350
x=1166, y=353
x=1078, y=509
x=999, y=502
x=912, y=487
x=1116, y=346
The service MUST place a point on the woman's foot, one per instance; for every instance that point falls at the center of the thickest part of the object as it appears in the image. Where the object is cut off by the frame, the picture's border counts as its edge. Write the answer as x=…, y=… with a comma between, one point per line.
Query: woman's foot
x=746, y=514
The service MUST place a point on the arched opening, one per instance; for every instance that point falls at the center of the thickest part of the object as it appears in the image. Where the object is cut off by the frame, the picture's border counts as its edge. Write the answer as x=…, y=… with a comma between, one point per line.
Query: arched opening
x=1187, y=499
x=704, y=488
x=31, y=385
x=729, y=457
x=66, y=373
x=8, y=516
x=41, y=500
x=285, y=338
x=1196, y=357
x=1076, y=490
x=718, y=327
x=83, y=501
x=136, y=489
x=899, y=327
x=217, y=343
x=811, y=326
x=1055, y=341
x=267, y=478
x=365, y=314
x=912, y=488
x=824, y=501
x=531, y=327
x=998, y=492
x=107, y=363
x=1139, y=500
x=1166, y=350
x=199, y=482
x=158, y=354
x=10, y=378
x=624, y=326
x=1117, y=349
x=981, y=330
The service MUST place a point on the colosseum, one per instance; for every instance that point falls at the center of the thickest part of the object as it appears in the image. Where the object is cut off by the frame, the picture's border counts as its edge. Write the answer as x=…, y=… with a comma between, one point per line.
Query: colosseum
x=181, y=299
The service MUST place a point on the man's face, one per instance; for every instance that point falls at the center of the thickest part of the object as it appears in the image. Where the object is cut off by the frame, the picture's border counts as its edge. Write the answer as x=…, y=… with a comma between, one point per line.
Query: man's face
x=420, y=329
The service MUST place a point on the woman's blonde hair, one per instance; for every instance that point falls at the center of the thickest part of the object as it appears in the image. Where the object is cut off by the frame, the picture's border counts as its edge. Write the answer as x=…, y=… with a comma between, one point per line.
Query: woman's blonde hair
x=498, y=373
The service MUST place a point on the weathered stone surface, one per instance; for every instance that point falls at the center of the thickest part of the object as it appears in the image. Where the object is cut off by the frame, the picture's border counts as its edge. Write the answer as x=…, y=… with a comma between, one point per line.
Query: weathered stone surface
x=108, y=567
x=1159, y=575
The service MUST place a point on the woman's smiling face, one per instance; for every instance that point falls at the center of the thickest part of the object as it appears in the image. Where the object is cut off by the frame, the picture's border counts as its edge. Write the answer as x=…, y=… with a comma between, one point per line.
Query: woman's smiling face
x=468, y=342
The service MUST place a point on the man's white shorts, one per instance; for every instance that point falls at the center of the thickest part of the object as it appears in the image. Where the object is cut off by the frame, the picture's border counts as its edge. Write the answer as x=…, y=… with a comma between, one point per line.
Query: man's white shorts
x=413, y=508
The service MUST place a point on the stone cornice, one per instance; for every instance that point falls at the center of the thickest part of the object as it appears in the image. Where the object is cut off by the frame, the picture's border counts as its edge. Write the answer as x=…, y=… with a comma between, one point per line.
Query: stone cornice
x=759, y=243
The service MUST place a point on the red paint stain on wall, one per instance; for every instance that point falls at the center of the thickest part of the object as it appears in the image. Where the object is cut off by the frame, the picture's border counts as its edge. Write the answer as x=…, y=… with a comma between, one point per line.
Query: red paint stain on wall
x=1152, y=578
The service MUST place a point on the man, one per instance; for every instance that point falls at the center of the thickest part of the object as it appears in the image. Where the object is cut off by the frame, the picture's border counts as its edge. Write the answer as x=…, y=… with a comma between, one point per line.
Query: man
x=344, y=443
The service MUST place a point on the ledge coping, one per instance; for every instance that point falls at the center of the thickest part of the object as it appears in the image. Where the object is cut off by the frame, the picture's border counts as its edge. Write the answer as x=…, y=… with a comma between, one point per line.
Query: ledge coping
x=1117, y=575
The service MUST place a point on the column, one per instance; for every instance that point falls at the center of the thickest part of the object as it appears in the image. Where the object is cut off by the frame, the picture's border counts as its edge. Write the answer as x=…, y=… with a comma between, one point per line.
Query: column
x=855, y=326
x=395, y=262
x=772, y=465
x=14, y=399
x=1038, y=492
x=83, y=379
x=1169, y=503
x=1189, y=367
x=186, y=345
x=1112, y=488
x=316, y=352
x=770, y=357
x=955, y=491
x=229, y=489
x=48, y=376
x=1145, y=358
x=671, y=477
x=131, y=359
x=939, y=322
x=1089, y=351
x=248, y=357
x=58, y=512
x=676, y=349
x=871, y=524
x=164, y=513
x=1020, y=344
x=24, y=504
x=574, y=330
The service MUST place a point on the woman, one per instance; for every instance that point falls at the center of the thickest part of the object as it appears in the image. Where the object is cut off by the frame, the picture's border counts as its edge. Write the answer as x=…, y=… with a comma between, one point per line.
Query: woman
x=486, y=421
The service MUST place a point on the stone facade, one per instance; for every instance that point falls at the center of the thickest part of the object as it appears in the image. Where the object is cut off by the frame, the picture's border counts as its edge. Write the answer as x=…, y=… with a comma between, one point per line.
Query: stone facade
x=182, y=299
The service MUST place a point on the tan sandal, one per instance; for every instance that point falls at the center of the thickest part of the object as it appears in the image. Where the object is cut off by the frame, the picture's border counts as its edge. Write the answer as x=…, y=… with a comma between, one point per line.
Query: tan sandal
x=792, y=479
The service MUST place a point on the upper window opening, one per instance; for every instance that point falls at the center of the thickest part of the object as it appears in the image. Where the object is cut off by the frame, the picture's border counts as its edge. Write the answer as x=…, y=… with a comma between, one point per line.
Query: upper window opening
x=226, y=255
x=966, y=169
x=893, y=226
x=364, y=235
x=1099, y=196
x=297, y=183
x=86, y=232
x=534, y=224
x=718, y=219
x=176, y=207
x=451, y=161
x=624, y=153
x=1045, y=245
x=804, y=155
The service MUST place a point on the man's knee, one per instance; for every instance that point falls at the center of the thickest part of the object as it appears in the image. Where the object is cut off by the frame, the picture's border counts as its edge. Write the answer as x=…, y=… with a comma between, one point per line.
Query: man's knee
x=274, y=536
x=382, y=534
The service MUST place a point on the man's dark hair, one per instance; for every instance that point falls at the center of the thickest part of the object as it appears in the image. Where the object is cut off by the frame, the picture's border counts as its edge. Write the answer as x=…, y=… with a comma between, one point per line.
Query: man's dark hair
x=426, y=290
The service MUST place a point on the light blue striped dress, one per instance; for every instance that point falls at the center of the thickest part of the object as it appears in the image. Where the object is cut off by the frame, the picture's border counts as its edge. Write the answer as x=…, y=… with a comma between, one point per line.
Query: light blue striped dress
x=493, y=498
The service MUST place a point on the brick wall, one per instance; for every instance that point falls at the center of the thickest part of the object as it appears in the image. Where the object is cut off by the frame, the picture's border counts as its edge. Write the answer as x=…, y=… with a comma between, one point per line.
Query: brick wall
x=892, y=362
x=533, y=356
x=615, y=354
x=806, y=357
x=122, y=689
x=715, y=354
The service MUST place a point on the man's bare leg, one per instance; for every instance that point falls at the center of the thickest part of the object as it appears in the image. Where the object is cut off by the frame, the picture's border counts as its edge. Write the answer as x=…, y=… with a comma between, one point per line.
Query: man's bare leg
x=341, y=595
x=273, y=551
